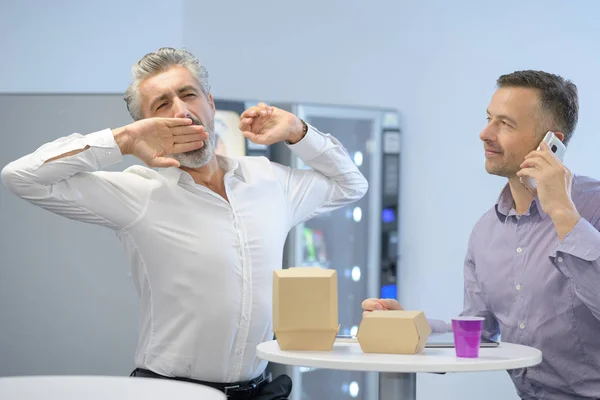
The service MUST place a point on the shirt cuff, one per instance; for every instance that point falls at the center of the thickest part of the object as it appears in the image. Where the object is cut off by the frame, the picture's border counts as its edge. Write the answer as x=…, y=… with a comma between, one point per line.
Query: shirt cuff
x=582, y=242
x=104, y=147
x=311, y=145
x=439, y=326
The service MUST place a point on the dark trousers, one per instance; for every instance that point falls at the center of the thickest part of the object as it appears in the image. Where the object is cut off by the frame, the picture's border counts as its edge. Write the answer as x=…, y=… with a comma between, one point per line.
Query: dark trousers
x=260, y=388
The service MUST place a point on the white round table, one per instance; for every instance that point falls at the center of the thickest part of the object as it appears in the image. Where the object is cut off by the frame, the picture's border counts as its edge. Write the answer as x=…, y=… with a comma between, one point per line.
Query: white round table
x=102, y=388
x=398, y=372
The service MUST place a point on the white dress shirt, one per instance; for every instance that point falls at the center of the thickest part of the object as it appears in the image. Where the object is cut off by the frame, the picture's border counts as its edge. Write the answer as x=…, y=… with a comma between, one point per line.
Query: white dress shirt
x=202, y=266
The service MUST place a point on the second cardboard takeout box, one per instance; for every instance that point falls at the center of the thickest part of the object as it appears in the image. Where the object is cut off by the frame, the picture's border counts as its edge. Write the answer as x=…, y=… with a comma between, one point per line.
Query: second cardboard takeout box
x=305, y=308
x=393, y=332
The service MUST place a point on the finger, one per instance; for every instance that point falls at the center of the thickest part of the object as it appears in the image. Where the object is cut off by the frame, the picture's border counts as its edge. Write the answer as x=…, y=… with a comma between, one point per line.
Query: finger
x=530, y=172
x=536, y=163
x=251, y=112
x=544, y=153
x=371, y=305
x=172, y=122
x=549, y=155
x=545, y=147
x=248, y=121
x=187, y=130
x=535, y=153
x=164, y=162
x=195, y=137
x=264, y=109
x=258, y=112
x=253, y=137
x=246, y=124
x=261, y=109
x=390, y=304
x=540, y=158
x=185, y=147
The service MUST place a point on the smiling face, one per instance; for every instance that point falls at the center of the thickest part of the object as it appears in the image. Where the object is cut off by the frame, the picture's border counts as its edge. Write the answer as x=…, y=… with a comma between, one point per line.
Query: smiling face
x=175, y=93
x=515, y=128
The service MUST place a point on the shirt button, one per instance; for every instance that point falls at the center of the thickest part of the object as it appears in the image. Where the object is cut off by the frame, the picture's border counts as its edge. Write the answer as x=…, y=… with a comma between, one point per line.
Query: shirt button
x=518, y=287
x=559, y=259
x=522, y=326
x=519, y=250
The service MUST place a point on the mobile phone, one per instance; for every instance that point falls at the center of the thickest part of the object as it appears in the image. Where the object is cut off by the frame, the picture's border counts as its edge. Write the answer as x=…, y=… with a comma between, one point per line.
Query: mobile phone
x=556, y=146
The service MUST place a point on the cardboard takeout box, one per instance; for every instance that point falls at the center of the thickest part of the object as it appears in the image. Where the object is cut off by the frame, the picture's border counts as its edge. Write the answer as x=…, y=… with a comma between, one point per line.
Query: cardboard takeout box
x=305, y=308
x=393, y=332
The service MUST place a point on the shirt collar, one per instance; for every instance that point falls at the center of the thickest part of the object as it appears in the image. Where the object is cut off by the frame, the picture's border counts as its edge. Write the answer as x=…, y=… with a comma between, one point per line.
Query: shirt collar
x=505, y=205
x=229, y=165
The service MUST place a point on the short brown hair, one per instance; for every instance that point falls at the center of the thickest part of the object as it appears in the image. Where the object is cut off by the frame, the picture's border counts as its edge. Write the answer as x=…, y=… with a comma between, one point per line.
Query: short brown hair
x=558, y=97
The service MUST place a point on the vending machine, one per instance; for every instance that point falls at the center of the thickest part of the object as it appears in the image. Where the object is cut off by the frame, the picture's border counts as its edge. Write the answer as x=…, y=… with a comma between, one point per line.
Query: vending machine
x=230, y=141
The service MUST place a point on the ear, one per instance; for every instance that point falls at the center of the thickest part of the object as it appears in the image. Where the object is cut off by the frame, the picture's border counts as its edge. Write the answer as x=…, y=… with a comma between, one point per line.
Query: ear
x=560, y=136
x=211, y=101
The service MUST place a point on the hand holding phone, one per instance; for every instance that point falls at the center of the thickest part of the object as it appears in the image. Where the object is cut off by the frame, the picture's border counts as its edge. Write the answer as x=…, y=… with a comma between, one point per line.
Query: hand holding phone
x=557, y=147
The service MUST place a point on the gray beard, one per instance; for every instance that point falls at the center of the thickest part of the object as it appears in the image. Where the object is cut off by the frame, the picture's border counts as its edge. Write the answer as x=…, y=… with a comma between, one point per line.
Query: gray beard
x=199, y=157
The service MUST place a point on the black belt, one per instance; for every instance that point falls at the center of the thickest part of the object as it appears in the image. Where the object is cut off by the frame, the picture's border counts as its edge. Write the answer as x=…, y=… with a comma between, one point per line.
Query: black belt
x=233, y=391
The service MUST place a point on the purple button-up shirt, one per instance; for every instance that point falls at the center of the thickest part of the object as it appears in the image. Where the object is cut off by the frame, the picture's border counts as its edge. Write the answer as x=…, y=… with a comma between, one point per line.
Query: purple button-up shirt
x=539, y=292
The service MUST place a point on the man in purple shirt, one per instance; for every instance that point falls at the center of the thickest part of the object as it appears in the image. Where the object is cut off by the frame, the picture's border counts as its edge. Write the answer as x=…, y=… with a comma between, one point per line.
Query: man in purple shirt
x=532, y=268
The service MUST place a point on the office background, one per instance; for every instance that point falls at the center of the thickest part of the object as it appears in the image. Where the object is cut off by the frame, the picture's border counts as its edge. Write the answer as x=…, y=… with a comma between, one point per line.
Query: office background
x=67, y=304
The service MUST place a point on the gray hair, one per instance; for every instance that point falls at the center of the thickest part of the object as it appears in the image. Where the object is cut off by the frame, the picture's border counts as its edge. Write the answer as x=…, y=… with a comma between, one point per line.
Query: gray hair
x=155, y=63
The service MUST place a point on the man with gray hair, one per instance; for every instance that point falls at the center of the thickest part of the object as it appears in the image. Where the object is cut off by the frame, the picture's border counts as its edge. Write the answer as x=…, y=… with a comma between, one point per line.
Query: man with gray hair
x=203, y=232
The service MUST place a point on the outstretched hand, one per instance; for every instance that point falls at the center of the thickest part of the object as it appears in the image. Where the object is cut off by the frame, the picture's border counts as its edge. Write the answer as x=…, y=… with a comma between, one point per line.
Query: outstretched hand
x=267, y=125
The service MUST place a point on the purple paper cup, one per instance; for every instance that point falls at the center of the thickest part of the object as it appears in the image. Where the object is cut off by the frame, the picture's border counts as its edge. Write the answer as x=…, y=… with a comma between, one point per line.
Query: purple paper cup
x=467, y=336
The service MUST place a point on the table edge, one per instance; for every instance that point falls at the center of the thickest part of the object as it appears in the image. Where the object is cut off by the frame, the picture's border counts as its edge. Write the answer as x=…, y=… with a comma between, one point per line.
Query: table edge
x=399, y=368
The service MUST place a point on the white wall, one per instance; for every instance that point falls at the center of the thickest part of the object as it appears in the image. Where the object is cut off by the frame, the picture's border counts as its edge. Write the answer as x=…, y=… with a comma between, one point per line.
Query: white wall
x=436, y=61
x=81, y=46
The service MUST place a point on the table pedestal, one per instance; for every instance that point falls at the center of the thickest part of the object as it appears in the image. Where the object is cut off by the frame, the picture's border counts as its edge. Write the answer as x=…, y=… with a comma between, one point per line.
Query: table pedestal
x=397, y=386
